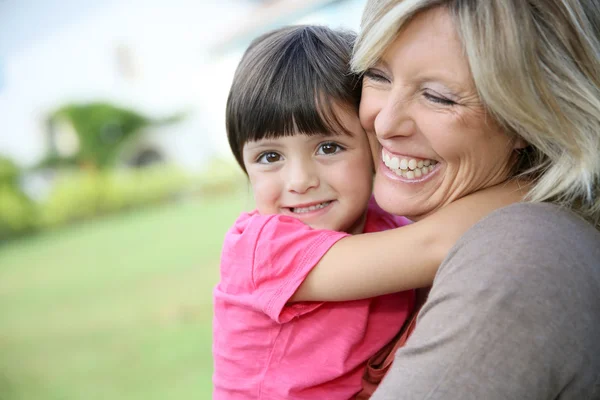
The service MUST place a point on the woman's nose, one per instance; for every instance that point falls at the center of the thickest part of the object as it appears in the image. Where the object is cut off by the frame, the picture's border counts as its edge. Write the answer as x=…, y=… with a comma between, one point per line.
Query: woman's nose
x=302, y=176
x=393, y=119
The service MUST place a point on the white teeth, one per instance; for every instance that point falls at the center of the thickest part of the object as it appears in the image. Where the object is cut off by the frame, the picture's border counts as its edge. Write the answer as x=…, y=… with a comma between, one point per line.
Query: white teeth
x=300, y=210
x=408, y=168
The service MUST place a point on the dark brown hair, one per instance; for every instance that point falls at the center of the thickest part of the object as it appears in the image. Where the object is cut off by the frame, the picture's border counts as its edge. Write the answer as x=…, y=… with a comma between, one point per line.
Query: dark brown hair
x=288, y=82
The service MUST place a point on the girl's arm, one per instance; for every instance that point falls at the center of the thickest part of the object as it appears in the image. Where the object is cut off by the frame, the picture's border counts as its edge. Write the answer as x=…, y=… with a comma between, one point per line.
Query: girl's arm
x=374, y=264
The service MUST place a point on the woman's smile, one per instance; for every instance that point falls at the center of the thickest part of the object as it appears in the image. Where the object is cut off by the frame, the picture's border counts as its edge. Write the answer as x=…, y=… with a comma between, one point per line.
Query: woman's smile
x=408, y=168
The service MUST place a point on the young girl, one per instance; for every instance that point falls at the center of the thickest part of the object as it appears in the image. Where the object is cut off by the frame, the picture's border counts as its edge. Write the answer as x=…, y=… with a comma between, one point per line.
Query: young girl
x=302, y=304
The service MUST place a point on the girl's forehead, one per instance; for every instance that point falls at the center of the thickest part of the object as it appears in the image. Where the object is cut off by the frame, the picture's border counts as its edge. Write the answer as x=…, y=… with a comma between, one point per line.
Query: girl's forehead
x=332, y=120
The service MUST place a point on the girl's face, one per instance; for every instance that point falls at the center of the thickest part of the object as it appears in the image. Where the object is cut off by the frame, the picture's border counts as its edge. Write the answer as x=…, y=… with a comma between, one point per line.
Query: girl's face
x=323, y=180
x=436, y=143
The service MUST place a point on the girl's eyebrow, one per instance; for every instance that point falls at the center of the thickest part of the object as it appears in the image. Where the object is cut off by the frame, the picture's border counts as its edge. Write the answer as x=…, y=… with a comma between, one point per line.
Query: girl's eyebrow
x=320, y=136
x=263, y=143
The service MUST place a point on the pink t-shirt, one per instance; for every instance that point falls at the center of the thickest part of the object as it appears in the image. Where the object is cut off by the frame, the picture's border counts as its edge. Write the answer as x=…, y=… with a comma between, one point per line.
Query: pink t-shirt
x=264, y=348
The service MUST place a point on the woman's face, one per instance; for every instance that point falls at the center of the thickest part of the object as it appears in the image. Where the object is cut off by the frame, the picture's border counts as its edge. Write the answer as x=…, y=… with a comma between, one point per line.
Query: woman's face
x=435, y=141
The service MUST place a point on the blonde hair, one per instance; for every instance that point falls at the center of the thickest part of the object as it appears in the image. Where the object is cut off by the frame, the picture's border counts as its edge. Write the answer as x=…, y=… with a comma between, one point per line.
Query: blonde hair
x=536, y=66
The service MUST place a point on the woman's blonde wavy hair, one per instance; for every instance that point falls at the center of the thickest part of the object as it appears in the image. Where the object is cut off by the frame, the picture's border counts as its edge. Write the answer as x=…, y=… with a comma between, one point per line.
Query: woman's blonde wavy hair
x=536, y=66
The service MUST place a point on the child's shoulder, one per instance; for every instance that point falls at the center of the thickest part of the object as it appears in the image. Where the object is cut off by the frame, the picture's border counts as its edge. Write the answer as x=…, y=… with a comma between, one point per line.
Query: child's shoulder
x=275, y=236
x=380, y=220
x=253, y=221
x=252, y=228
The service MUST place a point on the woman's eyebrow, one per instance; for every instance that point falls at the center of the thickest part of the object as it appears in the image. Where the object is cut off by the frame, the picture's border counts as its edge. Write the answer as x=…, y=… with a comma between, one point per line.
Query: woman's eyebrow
x=381, y=63
x=446, y=82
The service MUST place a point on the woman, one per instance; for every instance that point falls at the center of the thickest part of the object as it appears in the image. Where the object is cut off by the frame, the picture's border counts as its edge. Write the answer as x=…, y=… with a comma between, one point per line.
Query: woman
x=501, y=93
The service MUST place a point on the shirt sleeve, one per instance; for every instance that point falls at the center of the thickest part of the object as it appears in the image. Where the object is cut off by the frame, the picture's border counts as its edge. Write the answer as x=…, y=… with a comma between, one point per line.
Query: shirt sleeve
x=512, y=314
x=285, y=252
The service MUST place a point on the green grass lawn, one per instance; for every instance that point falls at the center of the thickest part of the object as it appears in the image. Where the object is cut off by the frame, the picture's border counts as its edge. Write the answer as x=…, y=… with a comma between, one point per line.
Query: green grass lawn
x=115, y=308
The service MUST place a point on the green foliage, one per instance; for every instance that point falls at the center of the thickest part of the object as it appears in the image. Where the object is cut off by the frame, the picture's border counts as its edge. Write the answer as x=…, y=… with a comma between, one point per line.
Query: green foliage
x=221, y=176
x=80, y=194
x=54, y=161
x=17, y=211
x=102, y=130
x=9, y=171
x=83, y=194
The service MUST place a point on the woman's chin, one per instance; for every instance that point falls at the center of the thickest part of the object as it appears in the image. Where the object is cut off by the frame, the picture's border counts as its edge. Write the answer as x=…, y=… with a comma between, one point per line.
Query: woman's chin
x=394, y=198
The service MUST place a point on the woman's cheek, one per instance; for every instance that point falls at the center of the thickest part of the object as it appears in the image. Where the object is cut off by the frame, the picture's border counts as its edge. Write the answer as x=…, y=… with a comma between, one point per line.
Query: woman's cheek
x=368, y=109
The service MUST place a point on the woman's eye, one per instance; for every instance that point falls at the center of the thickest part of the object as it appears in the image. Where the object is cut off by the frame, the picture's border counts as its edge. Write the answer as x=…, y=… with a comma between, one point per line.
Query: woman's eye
x=329, y=149
x=269, y=157
x=438, y=99
x=376, y=76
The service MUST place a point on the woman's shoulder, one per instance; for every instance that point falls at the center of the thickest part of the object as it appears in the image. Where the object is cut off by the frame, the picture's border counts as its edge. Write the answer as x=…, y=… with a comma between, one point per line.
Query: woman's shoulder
x=537, y=211
x=517, y=296
x=530, y=247
x=543, y=226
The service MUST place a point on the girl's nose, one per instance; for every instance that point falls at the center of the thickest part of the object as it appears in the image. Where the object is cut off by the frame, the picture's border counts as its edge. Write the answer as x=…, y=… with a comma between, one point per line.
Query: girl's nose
x=302, y=176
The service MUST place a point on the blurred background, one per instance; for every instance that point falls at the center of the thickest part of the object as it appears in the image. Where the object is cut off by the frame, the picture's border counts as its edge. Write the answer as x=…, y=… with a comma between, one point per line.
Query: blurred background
x=117, y=187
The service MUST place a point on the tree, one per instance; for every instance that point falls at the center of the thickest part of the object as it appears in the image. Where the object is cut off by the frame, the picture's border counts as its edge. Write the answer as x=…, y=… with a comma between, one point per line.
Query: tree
x=102, y=129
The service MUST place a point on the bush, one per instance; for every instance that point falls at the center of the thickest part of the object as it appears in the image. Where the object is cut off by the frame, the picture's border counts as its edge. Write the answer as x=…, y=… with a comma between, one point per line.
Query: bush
x=83, y=194
x=9, y=172
x=221, y=177
x=79, y=194
x=17, y=211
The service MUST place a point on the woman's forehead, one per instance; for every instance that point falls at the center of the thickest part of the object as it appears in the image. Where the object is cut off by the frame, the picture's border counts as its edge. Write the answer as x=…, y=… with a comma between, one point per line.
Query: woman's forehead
x=428, y=33
x=428, y=48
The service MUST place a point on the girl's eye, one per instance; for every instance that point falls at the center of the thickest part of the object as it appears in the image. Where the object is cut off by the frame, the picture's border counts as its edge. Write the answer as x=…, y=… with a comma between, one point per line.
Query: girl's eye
x=374, y=75
x=329, y=148
x=268, y=157
x=438, y=99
